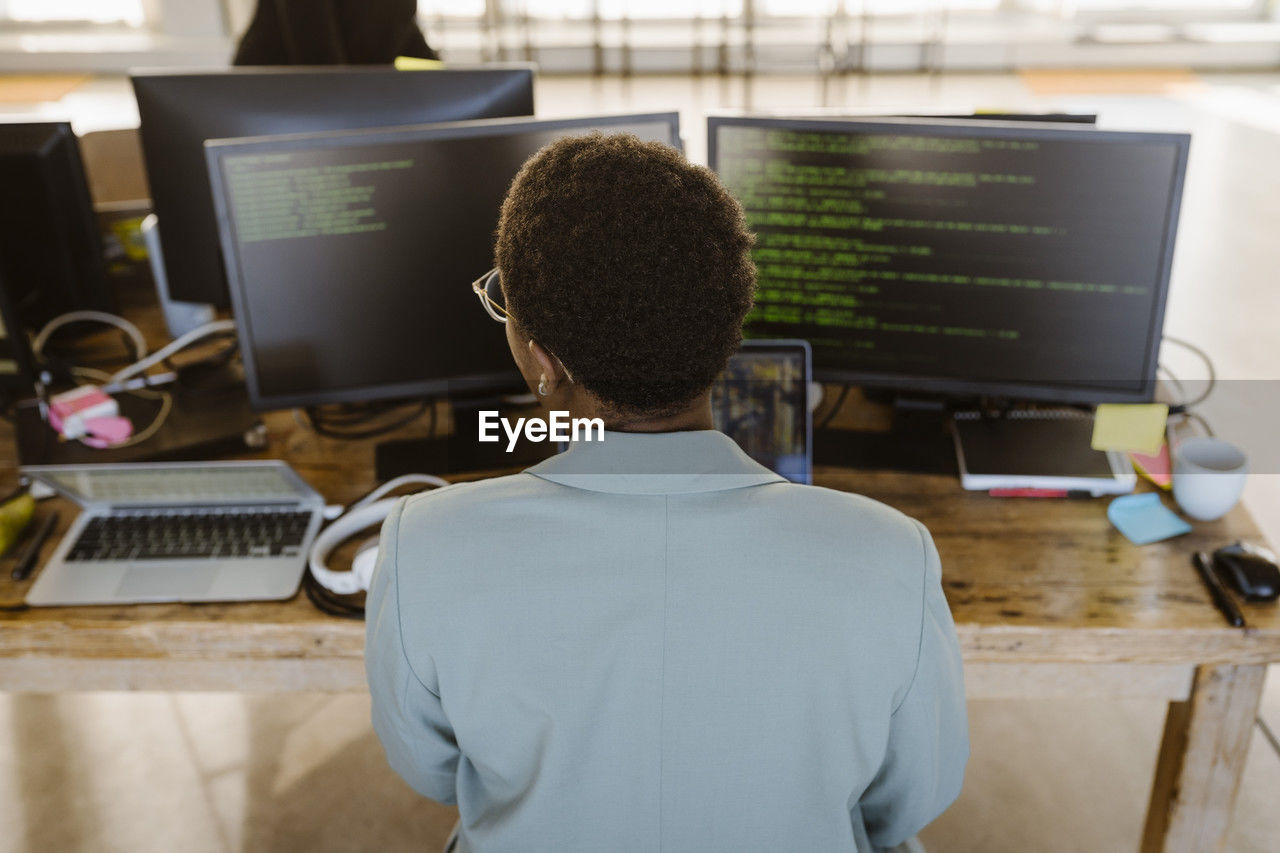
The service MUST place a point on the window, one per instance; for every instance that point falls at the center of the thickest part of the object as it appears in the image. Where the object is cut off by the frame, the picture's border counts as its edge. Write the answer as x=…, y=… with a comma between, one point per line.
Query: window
x=80, y=11
x=428, y=9
x=822, y=8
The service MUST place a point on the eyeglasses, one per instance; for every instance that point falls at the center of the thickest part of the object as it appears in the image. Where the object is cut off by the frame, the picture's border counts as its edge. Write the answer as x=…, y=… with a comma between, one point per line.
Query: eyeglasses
x=489, y=288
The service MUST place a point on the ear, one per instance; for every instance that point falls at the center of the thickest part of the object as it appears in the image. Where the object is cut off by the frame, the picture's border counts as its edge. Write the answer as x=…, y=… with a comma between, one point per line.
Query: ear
x=552, y=370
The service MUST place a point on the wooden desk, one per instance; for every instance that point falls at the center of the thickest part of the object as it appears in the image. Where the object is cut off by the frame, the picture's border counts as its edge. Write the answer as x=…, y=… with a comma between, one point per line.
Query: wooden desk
x=1048, y=600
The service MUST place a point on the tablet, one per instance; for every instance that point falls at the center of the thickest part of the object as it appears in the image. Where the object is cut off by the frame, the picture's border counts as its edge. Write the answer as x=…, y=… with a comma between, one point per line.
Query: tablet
x=761, y=402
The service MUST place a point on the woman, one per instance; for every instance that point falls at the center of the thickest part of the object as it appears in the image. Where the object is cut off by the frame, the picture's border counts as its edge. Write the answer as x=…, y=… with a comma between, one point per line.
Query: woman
x=651, y=642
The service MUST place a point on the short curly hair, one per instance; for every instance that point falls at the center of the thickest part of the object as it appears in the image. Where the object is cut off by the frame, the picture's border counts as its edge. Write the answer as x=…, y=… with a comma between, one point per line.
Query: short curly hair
x=631, y=265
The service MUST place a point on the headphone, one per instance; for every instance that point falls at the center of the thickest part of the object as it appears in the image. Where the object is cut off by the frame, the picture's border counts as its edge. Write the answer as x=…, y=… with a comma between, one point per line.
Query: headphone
x=367, y=512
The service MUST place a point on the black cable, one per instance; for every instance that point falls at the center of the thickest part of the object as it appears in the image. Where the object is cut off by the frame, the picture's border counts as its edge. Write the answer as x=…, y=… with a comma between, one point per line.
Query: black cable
x=1204, y=425
x=1269, y=735
x=1183, y=405
x=213, y=360
x=329, y=602
x=317, y=420
x=830, y=415
x=351, y=414
x=355, y=413
x=319, y=425
x=1182, y=409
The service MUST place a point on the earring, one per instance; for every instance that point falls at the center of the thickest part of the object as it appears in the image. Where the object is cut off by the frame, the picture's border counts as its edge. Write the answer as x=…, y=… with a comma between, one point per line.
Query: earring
x=542, y=387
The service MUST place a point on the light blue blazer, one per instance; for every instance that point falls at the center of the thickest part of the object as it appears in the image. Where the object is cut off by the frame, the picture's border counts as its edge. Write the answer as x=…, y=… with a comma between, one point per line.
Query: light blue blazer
x=652, y=643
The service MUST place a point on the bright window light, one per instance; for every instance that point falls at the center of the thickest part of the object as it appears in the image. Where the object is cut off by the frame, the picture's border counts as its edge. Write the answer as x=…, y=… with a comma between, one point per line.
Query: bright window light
x=634, y=9
x=552, y=10
x=96, y=11
x=822, y=8
x=1209, y=7
x=450, y=8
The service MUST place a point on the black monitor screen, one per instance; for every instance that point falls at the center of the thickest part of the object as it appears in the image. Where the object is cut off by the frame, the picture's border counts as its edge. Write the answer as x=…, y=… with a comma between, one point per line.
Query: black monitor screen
x=961, y=257
x=179, y=112
x=351, y=256
x=50, y=250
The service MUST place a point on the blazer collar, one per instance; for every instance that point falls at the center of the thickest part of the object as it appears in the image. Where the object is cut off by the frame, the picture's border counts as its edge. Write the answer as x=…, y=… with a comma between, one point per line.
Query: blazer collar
x=662, y=463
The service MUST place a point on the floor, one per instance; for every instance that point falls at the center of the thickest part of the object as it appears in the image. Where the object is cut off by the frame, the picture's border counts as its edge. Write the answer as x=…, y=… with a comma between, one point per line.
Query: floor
x=223, y=772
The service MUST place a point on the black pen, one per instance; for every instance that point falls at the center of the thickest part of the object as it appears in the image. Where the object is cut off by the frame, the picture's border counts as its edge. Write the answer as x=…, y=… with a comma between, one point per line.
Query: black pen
x=27, y=562
x=1217, y=592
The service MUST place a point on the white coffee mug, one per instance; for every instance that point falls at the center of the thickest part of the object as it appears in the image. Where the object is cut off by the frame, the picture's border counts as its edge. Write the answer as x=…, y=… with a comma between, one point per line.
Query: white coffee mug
x=1208, y=477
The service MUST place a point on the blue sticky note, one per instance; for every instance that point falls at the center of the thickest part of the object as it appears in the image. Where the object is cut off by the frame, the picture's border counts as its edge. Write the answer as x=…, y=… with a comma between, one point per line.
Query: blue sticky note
x=1144, y=519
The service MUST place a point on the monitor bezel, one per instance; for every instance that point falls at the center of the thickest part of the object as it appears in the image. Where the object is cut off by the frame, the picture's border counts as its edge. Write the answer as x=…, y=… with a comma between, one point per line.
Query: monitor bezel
x=82, y=280
x=461, y=385
x=1021, y=390
x=157, y=89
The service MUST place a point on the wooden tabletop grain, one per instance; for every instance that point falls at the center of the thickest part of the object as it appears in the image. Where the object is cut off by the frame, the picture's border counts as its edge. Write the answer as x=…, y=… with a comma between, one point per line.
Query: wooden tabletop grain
x=1028, y=581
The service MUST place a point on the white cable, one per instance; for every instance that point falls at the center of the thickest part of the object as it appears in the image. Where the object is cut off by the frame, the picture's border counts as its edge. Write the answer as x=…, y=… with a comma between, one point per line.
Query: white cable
x=166, y=406
x=42, y=338
x=169, y=349
x=370, y=510
x=395, y=483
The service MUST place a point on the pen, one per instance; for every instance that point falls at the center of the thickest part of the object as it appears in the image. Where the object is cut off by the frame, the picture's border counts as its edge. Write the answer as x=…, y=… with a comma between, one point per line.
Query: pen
x=1221, y=599
x=27, y=562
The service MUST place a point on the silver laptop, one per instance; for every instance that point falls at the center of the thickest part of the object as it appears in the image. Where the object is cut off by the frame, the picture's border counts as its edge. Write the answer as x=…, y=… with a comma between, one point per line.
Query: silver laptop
x=199, y=531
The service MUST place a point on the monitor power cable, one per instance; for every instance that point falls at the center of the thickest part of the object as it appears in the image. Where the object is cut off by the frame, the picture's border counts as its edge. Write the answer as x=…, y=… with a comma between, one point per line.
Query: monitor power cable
x=1184, y=406
x=347, y=426
x=1268, y=735
x=835, y=408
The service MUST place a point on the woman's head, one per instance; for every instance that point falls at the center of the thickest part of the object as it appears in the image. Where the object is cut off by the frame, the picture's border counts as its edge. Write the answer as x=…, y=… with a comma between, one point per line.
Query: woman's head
x=628, y=265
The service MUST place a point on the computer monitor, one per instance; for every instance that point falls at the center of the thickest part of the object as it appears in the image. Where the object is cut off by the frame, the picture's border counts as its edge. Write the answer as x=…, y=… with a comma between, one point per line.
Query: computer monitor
x=179, y=111
x=50, y=250
x=961, y=258
x=17, y=373
x=1043, y=118
x=350, y=255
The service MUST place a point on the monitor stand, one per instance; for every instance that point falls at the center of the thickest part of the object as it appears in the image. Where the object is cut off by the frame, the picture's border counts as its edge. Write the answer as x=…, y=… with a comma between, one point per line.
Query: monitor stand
x=460, y=452
x=918, y=440
x=179, y=317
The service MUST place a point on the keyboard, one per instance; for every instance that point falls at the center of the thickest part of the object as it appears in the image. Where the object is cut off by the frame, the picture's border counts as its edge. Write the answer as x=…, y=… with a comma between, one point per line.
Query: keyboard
x=186, y=535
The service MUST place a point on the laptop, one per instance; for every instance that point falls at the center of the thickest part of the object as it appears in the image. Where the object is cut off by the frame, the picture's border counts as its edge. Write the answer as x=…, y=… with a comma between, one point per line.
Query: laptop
x=179, y=531
x=1048, y=450
x=761, y=401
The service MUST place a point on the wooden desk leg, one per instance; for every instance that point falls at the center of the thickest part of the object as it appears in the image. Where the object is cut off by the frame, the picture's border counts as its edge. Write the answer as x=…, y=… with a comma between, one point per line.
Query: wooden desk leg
x=1201, y=760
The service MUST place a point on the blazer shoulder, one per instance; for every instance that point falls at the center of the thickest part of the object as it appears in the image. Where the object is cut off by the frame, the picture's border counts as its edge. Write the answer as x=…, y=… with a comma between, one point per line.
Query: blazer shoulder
x=846, y=506
x=462, y=496
x=850, y=522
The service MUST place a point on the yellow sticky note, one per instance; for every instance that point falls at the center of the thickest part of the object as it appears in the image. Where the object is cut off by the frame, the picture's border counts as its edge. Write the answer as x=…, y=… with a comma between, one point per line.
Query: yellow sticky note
x=415, y=63
x=1126, y=427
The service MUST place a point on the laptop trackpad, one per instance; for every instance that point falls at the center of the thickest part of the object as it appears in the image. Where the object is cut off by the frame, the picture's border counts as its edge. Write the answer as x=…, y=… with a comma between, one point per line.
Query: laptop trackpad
x=165, y=583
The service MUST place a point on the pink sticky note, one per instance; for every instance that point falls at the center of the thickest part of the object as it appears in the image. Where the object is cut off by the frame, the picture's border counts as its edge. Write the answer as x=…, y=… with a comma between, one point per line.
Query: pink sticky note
x=1156, y=468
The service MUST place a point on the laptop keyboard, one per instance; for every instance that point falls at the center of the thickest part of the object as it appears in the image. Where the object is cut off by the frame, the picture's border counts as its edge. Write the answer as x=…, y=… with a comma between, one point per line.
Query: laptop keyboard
x=191, y=535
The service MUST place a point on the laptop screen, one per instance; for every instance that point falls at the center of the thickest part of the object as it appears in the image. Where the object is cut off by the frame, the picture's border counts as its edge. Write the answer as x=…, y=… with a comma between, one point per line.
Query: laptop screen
x=173, y=484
